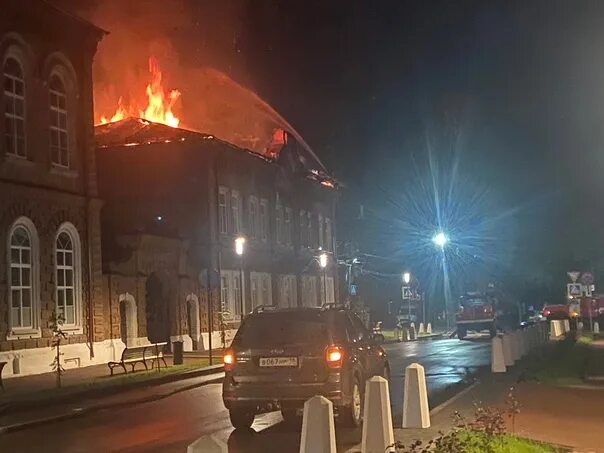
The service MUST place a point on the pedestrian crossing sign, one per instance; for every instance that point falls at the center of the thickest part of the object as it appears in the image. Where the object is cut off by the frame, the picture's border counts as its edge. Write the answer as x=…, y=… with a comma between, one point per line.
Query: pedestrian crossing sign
x=407, y=293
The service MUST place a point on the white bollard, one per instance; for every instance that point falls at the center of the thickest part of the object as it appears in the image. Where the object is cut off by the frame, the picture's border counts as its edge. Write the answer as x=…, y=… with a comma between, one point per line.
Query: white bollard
x=596, y=327
x=421, y=330
x=429, y=328
x=554, y=329
x=413, y=325
x=318, y=432
x=416, y=412
x=508, y=354
x=566, y=326
x=497, y=360
x=378, y=434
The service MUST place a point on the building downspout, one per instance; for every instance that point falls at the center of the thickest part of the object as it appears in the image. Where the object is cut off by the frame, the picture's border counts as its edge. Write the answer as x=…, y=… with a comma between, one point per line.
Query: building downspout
x=90, y=285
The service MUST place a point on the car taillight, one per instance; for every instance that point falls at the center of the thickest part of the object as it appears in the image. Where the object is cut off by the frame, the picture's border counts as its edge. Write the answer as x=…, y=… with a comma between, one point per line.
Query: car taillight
x=228, y=360
x=334, y=356
x=546, y=312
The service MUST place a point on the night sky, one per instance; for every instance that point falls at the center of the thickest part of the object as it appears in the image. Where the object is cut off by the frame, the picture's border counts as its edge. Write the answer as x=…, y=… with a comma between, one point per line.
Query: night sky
x=496, y=106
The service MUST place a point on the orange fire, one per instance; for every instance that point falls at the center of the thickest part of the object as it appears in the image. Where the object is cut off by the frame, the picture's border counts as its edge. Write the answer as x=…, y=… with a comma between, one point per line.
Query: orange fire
x=159, y=105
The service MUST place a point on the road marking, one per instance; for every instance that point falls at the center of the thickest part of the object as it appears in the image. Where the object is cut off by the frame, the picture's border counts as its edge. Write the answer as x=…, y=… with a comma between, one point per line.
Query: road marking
x=454, y=398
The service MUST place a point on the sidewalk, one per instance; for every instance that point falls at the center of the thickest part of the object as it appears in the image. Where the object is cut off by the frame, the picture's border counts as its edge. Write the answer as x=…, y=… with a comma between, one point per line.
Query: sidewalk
x=10, y=422
x=38, y=392
x=594, y=372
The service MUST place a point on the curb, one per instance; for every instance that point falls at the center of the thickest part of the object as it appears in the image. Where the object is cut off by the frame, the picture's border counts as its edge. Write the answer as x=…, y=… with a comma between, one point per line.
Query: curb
x=95, y=408
x=422, y=338
x=19, y=406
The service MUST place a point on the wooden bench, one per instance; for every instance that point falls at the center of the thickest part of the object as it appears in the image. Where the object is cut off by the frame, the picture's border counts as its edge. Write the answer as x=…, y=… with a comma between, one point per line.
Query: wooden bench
x=140, y=354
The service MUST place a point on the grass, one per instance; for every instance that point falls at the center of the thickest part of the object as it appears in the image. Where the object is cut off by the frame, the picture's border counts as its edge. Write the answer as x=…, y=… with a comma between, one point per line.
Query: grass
x=104, y=382
x=563, y=363
x=505, y=443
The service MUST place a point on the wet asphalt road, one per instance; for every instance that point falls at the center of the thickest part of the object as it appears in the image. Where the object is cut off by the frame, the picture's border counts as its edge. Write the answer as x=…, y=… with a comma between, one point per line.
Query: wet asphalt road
x=171, y=424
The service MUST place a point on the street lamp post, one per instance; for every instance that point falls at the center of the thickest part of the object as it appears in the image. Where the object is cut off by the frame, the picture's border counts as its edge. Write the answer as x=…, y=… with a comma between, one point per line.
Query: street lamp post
x=323, y=265
x=440, y=239
x=239, y=249
x=406, y=281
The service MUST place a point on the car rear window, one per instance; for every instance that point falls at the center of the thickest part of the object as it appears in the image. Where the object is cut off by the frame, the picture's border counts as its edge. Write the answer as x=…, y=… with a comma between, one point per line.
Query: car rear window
x=280, y=329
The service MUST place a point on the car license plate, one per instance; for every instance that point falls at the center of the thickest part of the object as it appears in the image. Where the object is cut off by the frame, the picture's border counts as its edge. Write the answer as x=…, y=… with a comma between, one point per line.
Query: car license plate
x=278, y=361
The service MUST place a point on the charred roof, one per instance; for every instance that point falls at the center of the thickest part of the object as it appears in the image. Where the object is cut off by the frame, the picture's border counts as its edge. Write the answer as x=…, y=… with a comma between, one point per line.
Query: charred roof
x=132, y=132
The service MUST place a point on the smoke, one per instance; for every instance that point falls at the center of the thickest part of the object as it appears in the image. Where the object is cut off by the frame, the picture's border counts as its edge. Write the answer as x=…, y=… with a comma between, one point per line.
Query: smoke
x=198, y=47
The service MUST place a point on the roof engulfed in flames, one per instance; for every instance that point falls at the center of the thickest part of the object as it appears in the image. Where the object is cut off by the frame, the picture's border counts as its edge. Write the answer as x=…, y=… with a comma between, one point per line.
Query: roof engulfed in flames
x=159, y=104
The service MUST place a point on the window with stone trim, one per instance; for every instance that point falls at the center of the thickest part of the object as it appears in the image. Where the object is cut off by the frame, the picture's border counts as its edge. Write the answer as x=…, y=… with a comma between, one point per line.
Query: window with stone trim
x=223, y=210
x=14, y=108
x=23, y=279
x=253, y=218
x=328, y=235
x=59, y=134
x=236, y=223
x=68, y=275
x=264, y=219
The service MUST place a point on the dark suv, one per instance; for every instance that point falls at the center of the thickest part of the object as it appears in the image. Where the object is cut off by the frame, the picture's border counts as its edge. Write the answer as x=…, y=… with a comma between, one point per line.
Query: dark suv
x=279, y=358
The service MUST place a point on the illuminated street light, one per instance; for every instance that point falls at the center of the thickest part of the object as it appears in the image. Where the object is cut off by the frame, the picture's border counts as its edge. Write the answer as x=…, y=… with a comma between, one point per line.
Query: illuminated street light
x=323, y=260
x=323, y=265
x=440, y=239
x=239, y=243
x=406, y=277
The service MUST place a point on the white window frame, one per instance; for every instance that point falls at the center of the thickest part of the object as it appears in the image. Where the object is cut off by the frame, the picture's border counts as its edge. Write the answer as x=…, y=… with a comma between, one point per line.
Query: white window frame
x=11, y=97
x=328, y=234
x=253, y=217
x=287, y=224
x=230, y=296
x=331, y=295
x=309, y=291
x=236, y=214
x=32, y=331
x=264, y=216
x=320, y=236
x=288, y=291
x=76, y=267
x=279, y=221
x=260, y=289
x=56, y=110
x=303, y=228
x=223, y=210
x=309, y=230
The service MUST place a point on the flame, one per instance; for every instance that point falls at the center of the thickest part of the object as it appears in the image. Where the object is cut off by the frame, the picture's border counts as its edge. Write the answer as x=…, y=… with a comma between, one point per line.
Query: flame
x=159, y=105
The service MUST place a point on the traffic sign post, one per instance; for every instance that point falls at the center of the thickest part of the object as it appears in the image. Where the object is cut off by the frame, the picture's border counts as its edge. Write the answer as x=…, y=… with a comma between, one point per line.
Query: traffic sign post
x=587, y=278
x=574, y=290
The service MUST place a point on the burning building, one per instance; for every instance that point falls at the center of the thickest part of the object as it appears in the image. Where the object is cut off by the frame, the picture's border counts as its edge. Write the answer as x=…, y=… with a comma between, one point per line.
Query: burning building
x=126, y=231
x=176, y=200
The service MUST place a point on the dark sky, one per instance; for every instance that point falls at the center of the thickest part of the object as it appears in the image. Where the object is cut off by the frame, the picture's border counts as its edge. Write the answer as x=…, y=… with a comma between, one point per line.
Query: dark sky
x=505, y=99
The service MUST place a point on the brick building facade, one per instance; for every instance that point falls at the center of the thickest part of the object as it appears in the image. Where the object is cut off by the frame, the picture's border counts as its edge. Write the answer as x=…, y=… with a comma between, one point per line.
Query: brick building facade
x=127, y=232
x=175, y=202
x=49, y=205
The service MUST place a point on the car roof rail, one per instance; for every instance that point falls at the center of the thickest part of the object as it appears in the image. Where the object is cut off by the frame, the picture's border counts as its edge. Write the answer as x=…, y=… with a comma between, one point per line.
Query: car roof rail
x=263, y=308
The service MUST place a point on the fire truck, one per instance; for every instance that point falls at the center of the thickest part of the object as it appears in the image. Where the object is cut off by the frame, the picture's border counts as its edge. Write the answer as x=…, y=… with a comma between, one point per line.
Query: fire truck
x=477, y=311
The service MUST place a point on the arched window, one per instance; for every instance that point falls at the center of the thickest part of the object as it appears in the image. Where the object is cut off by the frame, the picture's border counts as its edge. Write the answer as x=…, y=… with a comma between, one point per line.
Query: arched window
x=22, y=248
x=14, y=108
x=59, y=137
x=68, y=275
